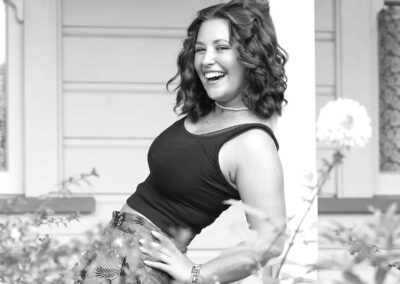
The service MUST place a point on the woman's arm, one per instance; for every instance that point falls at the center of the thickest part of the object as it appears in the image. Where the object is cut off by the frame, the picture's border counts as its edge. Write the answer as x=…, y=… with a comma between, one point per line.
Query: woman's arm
x=256, y=172
x=259, y=179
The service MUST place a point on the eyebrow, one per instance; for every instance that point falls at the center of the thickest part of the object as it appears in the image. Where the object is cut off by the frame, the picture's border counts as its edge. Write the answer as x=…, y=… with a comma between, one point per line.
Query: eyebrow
x=215, y=41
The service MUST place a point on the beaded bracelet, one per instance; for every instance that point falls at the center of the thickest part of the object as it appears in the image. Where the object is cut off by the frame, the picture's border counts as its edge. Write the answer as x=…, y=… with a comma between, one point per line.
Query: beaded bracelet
x=195, y=273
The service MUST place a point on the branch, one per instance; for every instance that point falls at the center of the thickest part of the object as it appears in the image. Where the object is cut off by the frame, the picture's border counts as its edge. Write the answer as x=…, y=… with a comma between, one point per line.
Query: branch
x=337, y=159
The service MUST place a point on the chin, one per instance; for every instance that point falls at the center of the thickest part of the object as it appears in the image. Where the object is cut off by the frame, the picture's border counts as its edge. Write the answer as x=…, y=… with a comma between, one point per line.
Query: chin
x=217, y=96
x=214, y=97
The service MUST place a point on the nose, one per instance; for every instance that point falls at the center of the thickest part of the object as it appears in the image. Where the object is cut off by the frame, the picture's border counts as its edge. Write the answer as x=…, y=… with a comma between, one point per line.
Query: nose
x=209, y=57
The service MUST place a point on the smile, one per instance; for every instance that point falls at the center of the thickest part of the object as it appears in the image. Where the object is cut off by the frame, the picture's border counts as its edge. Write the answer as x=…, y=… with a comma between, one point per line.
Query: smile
x=213, y=77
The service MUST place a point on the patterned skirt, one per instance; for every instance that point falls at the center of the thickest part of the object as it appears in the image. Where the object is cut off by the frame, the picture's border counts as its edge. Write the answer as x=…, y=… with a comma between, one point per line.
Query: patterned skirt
x=116, y=258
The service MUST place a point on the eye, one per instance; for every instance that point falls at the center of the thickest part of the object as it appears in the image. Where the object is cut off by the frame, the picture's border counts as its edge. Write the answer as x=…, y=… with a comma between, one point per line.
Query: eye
x=222, y=47
x=199, y=49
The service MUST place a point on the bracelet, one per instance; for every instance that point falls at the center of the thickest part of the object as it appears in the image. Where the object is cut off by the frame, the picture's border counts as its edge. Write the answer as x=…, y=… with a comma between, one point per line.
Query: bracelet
x=194, y=274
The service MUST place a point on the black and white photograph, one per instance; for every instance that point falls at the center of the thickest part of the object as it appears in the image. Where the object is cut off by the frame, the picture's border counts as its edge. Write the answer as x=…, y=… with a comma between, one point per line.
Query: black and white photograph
x=199, y=141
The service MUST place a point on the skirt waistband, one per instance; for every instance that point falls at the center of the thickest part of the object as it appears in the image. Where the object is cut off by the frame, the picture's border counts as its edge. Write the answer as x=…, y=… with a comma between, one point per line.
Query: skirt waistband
x=126, y=221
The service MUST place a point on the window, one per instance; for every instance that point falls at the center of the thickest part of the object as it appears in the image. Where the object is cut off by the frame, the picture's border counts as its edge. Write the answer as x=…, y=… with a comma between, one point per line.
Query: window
x=347, y=65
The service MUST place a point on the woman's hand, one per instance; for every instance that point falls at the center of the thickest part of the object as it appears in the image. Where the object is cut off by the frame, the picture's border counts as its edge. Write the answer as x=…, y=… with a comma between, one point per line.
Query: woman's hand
x=169, y=258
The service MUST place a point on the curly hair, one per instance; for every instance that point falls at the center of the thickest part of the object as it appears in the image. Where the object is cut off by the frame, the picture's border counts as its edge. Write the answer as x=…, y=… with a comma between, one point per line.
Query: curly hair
x=251, y=27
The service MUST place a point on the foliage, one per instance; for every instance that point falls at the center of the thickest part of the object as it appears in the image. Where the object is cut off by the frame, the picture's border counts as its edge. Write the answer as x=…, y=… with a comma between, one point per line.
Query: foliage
x=29, y=257
x=375, y=243
x=26, y=255
x=345, y=124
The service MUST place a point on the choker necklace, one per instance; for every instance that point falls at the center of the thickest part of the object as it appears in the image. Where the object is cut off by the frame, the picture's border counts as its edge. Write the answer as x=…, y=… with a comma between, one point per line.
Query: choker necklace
x=230, y=108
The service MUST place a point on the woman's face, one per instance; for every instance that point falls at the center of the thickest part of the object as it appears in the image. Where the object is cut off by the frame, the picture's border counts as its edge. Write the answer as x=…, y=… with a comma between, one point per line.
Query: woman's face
x=216, y=63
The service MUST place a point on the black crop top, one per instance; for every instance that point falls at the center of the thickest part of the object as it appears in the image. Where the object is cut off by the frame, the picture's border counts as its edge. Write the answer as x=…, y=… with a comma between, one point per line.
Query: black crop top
x=186, y=187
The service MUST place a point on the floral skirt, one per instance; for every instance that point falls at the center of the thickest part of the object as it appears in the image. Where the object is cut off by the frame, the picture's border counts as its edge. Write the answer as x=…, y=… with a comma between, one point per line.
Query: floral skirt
x=116, y=258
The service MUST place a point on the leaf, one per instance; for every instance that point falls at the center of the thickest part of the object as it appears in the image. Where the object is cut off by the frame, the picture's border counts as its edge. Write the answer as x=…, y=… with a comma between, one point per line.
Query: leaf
x=94, y=172
x=302, y=280
x=124, y=267
x=329, y=236
x=320, y=266
x=106, y=273
x=391, y=211
x=353, y=278
x=139, y=220
x=380, y=275
x=87, y=181
x=395, y=264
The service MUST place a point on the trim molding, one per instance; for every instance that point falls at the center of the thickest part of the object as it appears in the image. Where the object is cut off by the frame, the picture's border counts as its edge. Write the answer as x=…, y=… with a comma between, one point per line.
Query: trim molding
x=325, y=36
x=121, y=32
x=355, y=205
x=119, y=87
x=81, y=142
x=392, y=2
x=60, y=205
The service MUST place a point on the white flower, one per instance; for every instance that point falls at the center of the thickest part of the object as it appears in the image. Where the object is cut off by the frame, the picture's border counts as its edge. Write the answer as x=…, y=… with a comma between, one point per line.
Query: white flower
x=345, y=123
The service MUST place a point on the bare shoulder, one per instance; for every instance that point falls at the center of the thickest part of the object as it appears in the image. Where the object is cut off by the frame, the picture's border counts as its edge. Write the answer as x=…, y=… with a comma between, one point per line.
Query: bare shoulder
x=252, y=154
x=255, y=142
x=256, y=156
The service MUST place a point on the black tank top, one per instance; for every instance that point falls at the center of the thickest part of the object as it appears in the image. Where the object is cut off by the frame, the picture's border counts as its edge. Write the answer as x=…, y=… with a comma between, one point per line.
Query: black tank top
x=186, y=187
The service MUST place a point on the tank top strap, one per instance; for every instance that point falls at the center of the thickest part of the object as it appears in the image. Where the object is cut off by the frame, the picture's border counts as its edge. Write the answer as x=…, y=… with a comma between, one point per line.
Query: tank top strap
x=234, y=131
x=215, y=140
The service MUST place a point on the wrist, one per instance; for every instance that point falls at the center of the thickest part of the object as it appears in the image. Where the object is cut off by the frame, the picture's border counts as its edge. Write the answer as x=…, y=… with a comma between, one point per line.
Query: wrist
x=195, y=274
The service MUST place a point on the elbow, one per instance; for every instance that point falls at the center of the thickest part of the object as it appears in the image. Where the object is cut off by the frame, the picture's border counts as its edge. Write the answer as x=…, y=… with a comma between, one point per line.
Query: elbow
x=268, y=250
x=277, y=248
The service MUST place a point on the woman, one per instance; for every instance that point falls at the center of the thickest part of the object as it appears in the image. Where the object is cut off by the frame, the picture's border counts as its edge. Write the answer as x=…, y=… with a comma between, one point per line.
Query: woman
x=232, y=84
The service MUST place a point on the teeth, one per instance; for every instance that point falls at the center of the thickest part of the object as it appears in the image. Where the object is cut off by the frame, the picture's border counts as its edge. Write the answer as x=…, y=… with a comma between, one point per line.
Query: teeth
x=210, y=75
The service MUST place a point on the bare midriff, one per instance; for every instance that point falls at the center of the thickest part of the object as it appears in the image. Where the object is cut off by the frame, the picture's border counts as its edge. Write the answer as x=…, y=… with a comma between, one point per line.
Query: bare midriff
x=126, y=208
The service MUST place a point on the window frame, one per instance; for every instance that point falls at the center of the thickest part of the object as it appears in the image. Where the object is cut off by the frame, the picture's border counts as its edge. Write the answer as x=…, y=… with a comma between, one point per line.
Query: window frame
x=357, y=77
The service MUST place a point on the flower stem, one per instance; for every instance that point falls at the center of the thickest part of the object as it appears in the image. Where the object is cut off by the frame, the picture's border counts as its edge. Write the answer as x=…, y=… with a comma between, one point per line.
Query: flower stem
x=337, y=159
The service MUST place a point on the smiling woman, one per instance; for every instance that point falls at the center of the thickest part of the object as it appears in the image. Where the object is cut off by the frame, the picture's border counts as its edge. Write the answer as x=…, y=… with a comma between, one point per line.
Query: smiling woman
x=232, y=84
x=246, y=40
x=217, y=65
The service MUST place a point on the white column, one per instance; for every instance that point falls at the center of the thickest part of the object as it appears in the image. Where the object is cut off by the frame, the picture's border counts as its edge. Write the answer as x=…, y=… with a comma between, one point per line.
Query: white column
x=294, y=22
x=42, y=95
x=12, y=181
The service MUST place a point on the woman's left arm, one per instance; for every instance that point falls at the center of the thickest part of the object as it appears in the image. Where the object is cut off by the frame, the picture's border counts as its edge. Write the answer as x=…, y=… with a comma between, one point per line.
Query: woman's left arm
x=259, y=179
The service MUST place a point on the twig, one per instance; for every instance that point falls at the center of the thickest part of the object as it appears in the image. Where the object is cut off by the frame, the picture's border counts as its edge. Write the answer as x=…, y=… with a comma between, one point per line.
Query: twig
x=337, y=159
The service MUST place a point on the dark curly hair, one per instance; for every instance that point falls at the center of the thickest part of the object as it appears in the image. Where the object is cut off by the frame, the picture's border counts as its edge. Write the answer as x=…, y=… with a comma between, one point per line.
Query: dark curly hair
x=251, y=27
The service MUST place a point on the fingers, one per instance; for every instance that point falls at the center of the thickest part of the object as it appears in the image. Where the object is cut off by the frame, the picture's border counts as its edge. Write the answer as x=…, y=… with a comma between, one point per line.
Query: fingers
x=156, y=255
x=158, y=265
x=155, y=250
x=162, y=239
x=155, y=247
x=158, y=252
